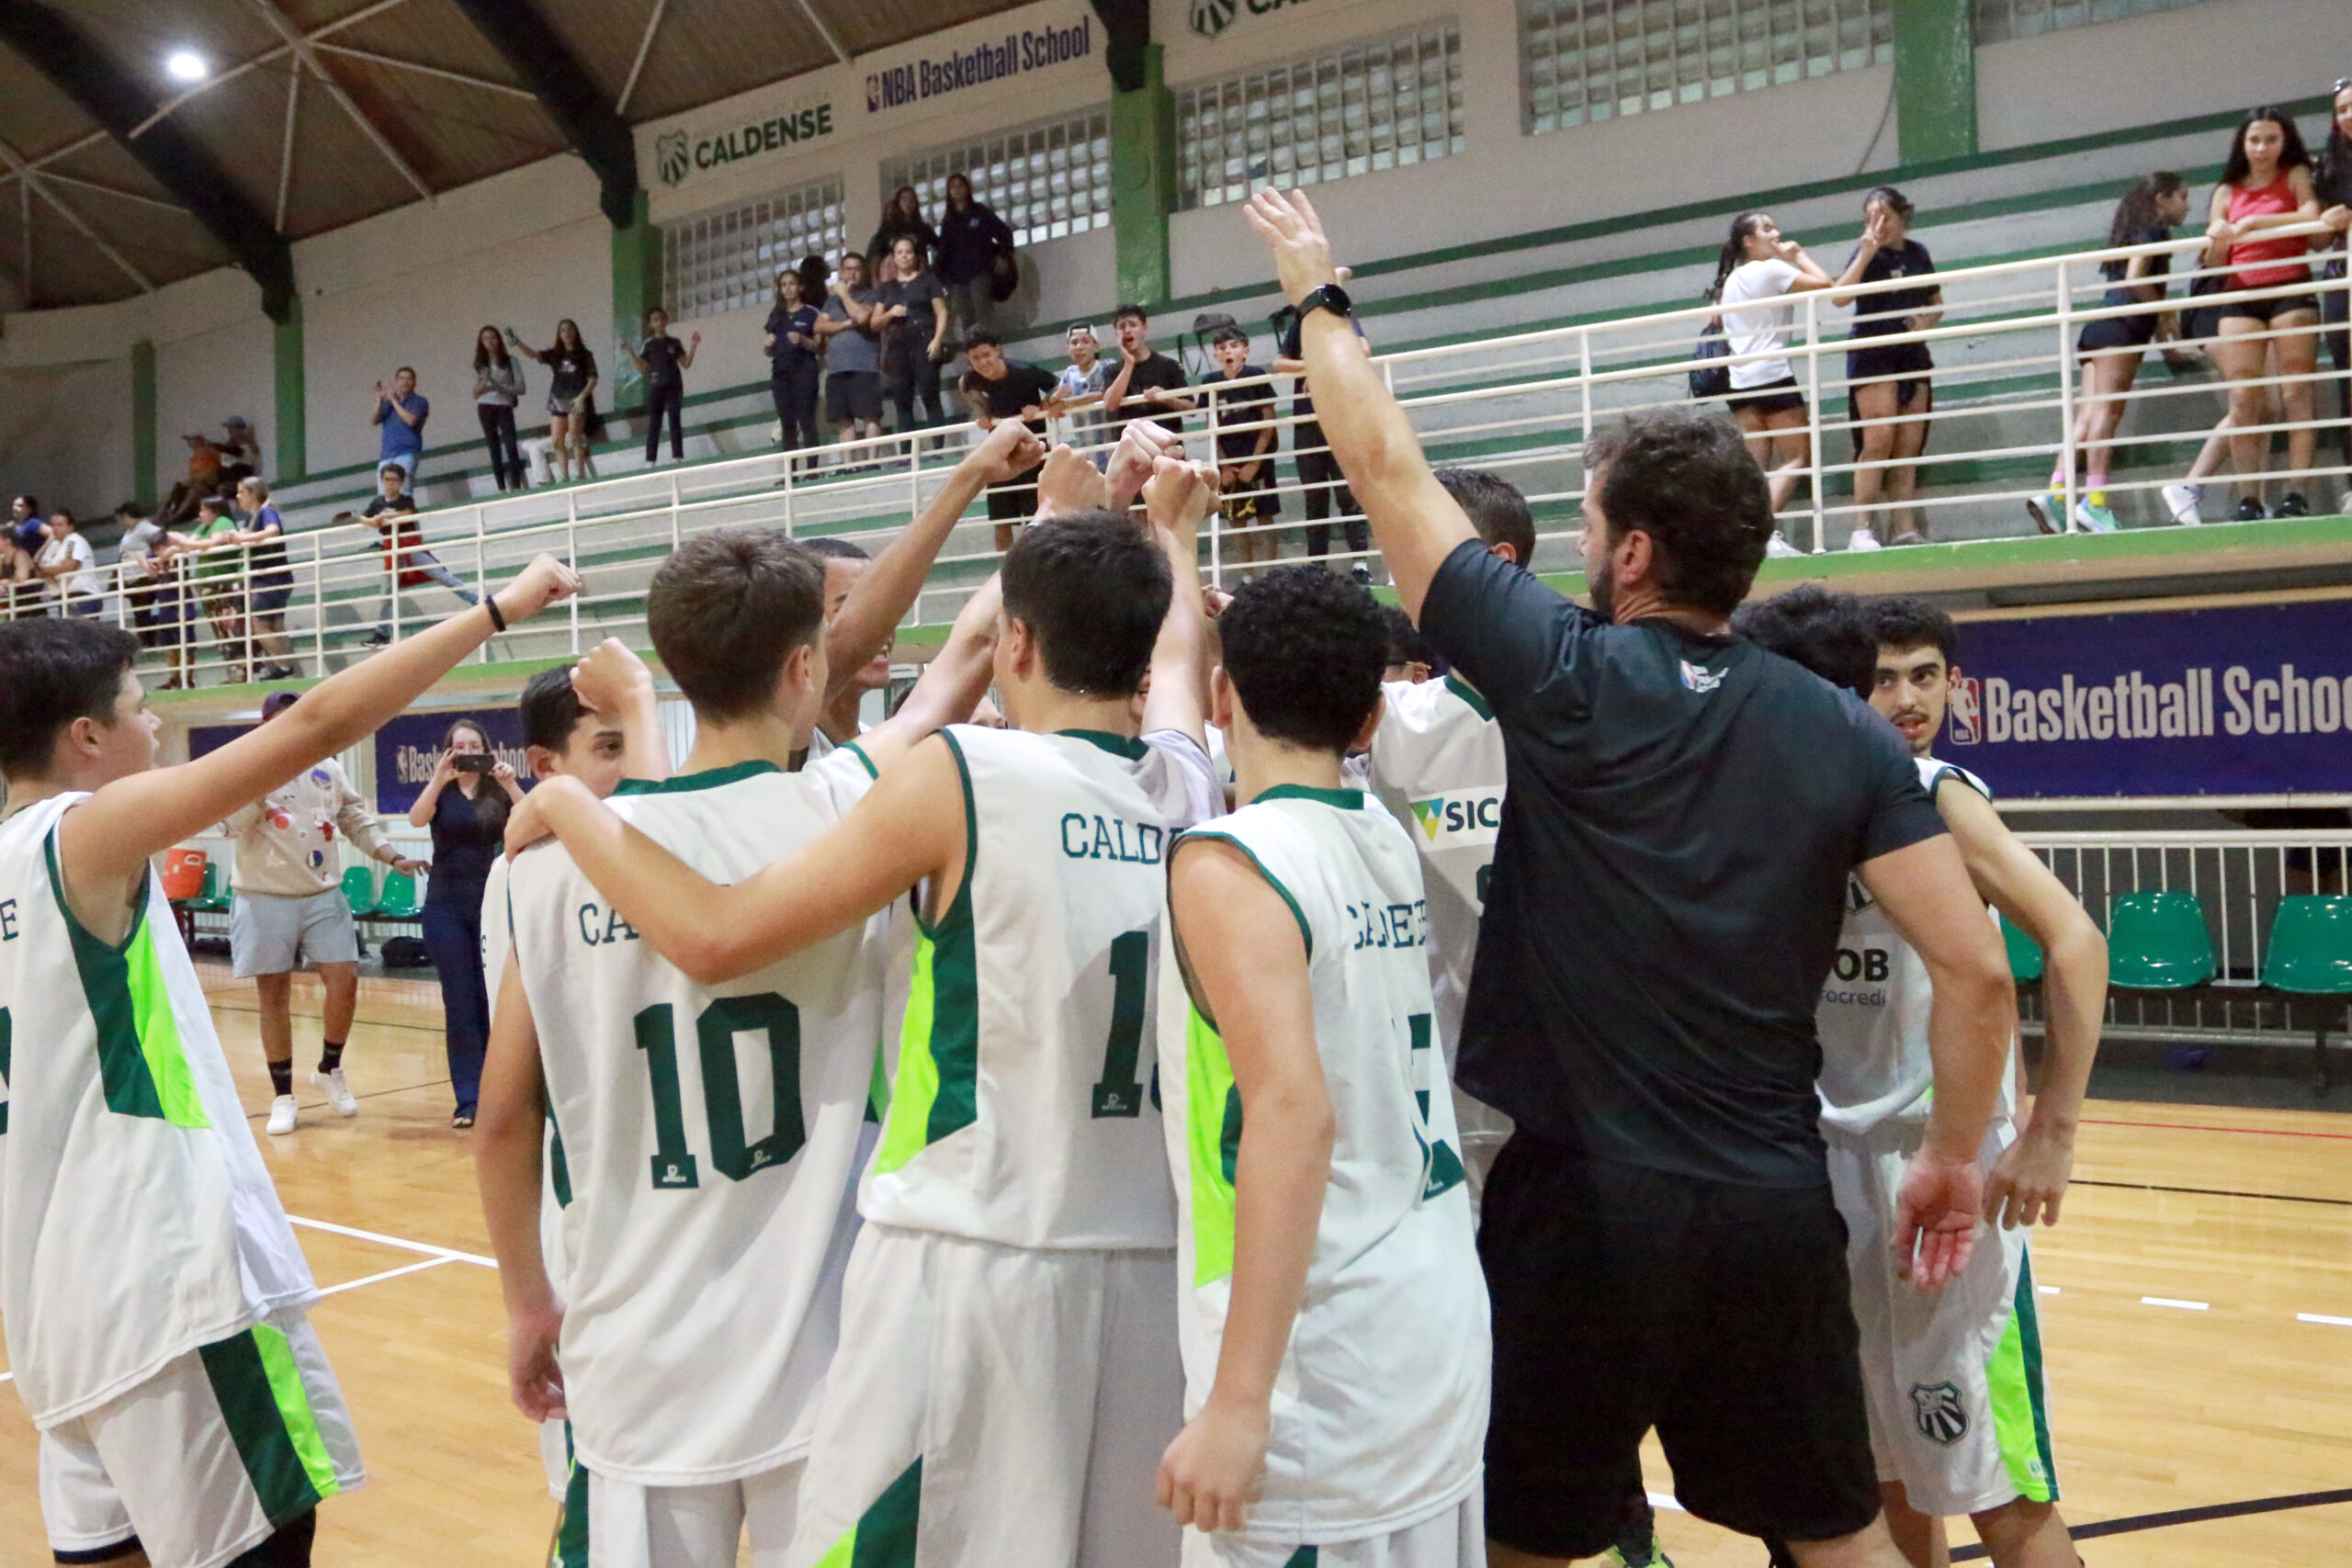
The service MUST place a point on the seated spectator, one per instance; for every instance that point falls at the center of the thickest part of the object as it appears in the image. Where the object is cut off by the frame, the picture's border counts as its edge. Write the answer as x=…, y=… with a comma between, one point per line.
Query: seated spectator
x=153, y=590
x=852, y=337
x=241, y=453
x=1147, y=384
x=1081, y=386
x=663, y=362
x=1245, y=458
x=204, y=464
x=997, y=388
x=407, y=563
x=974, y=245
x=903, y=220
x=401, y=414
x=70, y=567
x=271, y=583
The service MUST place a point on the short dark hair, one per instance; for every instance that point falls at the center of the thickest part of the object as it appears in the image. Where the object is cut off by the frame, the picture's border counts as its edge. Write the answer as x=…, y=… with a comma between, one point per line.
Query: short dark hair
x=383, y=469
x=1406, y=644
x=1124, y=311
x=1305, y=651
x=128, y=509
x=1905, y=621
x=1229, y=333
x=1828, y=633
x=836, y=550
x=980, y=337
x=1092, y=589
x=217, y=503
x=405, y=370
x=1686, y=480
x=726, y=609
x=1495, y=507
x=551, y=709
x=53, y=671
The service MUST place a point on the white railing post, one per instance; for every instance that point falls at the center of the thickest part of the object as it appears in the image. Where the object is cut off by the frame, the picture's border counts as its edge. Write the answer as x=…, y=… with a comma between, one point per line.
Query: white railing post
x=318, y=607
x=2066, y=397
x=1584, y=385
x=482, y=571
x=1813, y=419
x=673, y=511
x=1217, y=514
x=571, y=560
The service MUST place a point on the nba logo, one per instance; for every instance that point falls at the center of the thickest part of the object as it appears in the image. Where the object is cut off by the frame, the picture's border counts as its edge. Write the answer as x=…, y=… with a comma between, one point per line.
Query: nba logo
x=1964, y=721
x=873, y=95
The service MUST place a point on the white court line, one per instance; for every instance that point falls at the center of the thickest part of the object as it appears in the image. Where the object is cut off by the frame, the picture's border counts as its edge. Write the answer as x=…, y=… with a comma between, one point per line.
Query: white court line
x=2319, y=1317
x=387, y=1274
x=1665, y=1500
x=2168, y=1301
x=447, y=1255
x=2046, y=1290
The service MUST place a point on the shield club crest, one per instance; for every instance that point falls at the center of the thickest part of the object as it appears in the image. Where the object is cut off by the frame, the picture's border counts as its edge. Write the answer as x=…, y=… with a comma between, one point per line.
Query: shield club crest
x=1938, y=1412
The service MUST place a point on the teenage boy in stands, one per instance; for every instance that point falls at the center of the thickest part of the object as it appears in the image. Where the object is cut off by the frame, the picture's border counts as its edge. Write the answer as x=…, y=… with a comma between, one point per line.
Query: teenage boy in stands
x=997, y=389
x=407, y=563
x=193, y=1420
x=1245, y=458
x=1149, y=384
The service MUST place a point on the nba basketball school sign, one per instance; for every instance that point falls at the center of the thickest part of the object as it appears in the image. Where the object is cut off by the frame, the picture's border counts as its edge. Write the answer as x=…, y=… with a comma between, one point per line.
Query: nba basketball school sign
x=2239, y=700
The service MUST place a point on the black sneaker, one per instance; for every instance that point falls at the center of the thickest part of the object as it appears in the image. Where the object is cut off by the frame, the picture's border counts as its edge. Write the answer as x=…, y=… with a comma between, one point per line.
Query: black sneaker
x=2294, y=505
x=376, y=640
x=2249, y=511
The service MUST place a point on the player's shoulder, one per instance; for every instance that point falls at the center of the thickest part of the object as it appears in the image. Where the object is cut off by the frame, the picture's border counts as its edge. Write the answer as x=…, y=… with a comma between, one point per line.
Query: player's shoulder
x=1934, y=771
x=1420, y=707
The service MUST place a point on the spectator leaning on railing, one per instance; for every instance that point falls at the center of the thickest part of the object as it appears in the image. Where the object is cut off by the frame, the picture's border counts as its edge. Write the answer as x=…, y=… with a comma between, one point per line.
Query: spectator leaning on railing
x=157, y=598
x=1147, y=384
x=216, y=571
x=1080, y=386
x=498, y=392
x=269, y=579
x=2267, y=184
x=996, y=388
x=1245, y=458
x=401, y=414
x=69, y=566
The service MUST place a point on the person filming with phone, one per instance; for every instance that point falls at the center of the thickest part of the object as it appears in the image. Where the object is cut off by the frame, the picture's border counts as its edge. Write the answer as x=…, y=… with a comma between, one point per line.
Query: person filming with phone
x=465, y=806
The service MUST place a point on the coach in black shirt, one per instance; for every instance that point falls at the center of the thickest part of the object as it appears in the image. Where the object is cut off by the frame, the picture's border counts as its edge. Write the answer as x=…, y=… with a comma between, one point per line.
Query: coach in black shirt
x=1682, y=813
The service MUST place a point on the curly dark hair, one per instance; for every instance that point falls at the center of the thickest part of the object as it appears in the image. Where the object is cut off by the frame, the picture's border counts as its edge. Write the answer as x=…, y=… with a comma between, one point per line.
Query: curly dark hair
x=1092, y=589
x=1828, y=633
x=1305, y=651
x=1909, y=622
x=1686, y=480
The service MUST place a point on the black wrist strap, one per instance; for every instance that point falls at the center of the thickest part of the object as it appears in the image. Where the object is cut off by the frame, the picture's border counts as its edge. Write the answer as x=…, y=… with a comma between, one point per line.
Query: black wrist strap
x=497, y=621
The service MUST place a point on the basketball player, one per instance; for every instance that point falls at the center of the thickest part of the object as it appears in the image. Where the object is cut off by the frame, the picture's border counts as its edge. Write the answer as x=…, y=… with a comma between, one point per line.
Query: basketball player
x=1006, y=1378
x=154, y=1297
x=729, y=1228
x=1958, y=1408
x=1333, y=1315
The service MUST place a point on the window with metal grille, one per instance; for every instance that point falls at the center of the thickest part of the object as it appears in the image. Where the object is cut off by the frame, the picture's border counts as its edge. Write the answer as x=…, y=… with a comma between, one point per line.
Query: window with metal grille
x=1369, y=107
x=1588, y=60
x=727, y=260
x=1046, y=181
x=1997, y=20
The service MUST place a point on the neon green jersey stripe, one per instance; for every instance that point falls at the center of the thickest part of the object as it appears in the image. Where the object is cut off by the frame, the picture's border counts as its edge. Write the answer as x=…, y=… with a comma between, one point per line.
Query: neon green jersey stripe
x=294, y=1408
x=938, y=1088
x=249, y=1405
x=883, y=1536
x=1212, y=1140
x=159, y=1032
x=918, y=1082
x=2020, y=1418
x=142, y=1065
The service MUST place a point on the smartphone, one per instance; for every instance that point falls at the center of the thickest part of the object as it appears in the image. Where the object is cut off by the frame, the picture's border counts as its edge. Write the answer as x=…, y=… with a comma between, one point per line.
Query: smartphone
x=473, y=762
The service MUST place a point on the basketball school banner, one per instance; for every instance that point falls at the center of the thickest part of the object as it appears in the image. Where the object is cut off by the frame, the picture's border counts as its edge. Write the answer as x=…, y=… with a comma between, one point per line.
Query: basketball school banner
x=408, y=748
x=2245, y=700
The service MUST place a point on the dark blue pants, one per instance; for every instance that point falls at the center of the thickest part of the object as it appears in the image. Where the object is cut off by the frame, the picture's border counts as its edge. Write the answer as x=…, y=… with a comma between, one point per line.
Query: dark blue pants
x=453, y=936
x=794, y=387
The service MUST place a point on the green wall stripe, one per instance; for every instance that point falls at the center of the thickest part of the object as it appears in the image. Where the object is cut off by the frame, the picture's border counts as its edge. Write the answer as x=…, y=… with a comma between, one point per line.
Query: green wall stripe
x=248, y=1404
x=293, y=411
x=1143, y=183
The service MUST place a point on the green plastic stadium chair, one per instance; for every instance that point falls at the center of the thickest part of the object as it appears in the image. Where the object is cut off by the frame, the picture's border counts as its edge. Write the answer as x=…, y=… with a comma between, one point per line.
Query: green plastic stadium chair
x=2311, y=956
x=215, y=896
x=2158, y=942
x=2025, y=955
x=400, y=901
x=359, y=891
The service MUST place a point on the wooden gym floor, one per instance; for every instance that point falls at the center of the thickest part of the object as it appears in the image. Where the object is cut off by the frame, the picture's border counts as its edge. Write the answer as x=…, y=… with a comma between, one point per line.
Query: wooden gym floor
x=2197, y=1310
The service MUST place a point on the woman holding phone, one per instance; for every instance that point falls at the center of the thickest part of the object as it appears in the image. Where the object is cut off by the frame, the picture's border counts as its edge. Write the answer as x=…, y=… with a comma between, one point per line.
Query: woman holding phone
x=465, y=806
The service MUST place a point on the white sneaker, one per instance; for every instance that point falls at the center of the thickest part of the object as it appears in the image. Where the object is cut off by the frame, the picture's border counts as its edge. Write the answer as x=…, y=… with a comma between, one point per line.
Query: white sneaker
x=281, y=1114
x=1864, y=540
x=2182, y=501
x=338, y=1093
x=1778, y=548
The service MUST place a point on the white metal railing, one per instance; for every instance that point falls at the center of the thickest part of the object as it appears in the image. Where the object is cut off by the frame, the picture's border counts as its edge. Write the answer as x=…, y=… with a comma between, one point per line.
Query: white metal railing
x=1518, y=404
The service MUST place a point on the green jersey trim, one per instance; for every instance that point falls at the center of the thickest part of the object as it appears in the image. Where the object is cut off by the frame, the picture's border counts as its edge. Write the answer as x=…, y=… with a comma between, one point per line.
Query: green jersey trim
x=571, y=1531
x=885, y=1535
x=854, y=750
x=1305, y=935
x=2021, y=1414
x=1213, y=1146
x=1345, y=800
x=1125, y=746
x=1469, y=695
x=709, y=778
x=8, y=1059
x=270, y=1422
x=937, y=1092
x=559, y=1168
x=142, y=1064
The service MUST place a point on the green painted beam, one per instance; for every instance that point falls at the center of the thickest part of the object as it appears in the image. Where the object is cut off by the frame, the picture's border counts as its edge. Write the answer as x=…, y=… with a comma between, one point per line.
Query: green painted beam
x=636, y=288
x=1143, y=182
x=1935, y=80
x=142, y=422
x=293, y=414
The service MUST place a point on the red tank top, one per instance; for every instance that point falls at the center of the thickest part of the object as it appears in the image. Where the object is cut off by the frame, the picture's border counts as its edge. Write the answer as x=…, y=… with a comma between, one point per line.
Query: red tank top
x=2278, y=196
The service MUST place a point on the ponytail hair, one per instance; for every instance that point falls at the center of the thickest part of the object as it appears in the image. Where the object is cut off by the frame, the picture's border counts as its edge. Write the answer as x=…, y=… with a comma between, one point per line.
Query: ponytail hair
x=1734, y=250
x=1894, y=200
x=2136, y=212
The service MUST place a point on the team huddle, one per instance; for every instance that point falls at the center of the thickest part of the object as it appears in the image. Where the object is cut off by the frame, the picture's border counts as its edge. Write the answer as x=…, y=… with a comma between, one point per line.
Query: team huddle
x=967, y=1145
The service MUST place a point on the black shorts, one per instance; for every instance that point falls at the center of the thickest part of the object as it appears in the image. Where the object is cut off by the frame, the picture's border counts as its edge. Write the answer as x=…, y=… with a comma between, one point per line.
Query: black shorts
x=2271, y=309
x=2118, y=335
x=1016, y=499
x=1773, y=397
x=1627, y=1298
x=854, y=394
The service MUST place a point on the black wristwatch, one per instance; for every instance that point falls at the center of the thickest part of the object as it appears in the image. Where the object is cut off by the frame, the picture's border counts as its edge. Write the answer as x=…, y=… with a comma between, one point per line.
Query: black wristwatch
x=1331, y=297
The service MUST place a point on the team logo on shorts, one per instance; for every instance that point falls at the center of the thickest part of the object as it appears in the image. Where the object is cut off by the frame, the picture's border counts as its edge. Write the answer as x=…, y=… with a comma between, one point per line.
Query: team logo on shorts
x=1937, y=1410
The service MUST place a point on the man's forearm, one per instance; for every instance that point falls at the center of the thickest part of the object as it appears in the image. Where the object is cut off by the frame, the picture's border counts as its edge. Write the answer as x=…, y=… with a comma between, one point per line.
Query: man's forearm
x=888, y=588
x=1969, y=1025
x=507, y=1172
x=2075, y=988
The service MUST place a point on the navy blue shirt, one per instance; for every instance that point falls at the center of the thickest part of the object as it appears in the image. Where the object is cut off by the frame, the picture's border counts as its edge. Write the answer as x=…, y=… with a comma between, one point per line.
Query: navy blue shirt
x=466, y=836
x=1669, y=878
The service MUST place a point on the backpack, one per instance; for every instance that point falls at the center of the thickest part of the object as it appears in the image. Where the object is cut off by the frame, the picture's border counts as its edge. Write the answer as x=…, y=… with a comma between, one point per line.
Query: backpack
x=1708, y=379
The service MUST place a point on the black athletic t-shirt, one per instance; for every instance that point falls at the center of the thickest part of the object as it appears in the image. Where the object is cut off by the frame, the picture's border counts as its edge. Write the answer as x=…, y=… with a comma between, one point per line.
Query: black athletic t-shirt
x=2151, y=269
x=1242, y=405
x=1669, y=878
x=661, y=355
x=1021, y=386
x=1155, y=369
x=1878, y=315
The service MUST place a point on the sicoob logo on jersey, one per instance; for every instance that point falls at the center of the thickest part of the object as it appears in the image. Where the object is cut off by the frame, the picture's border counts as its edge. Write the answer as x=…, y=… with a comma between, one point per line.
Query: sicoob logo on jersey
x=1461, y=815
x=1937, y=1410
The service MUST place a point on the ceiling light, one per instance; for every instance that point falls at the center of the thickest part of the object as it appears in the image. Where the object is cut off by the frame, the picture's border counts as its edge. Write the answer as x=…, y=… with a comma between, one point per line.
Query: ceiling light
x=188, y=66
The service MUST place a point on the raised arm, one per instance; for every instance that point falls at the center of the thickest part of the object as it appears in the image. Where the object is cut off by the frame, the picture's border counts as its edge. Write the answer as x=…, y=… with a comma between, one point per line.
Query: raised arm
x=615, y=682
x=2031, y=1179
x=1177, y=498
x=508, y=1134
x=1924, y=888
x=1247, y=954
x=887, y=588
x=951, y=685
x=1414, y=521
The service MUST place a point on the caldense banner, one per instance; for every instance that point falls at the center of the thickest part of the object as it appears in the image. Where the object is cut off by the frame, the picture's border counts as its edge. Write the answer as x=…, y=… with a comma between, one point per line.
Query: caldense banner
x=2248, y=700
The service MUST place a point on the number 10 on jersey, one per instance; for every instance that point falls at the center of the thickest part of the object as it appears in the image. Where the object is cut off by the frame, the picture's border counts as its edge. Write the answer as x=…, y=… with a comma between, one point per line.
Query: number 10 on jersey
x=722, y=1089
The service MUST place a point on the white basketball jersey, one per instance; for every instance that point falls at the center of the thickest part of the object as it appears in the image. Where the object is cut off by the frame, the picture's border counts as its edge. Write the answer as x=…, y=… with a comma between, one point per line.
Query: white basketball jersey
x=1380, y=1409
x=137, y=1221
x=555, y=1181
x=1875, y=1065
x=1022, y=1112
x=712, y=1138
x=1437, y=764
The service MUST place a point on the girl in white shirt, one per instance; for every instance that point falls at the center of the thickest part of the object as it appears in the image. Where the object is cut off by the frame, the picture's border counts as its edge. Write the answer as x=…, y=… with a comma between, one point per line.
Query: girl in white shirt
x=1757, y=266
x=70, y=567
